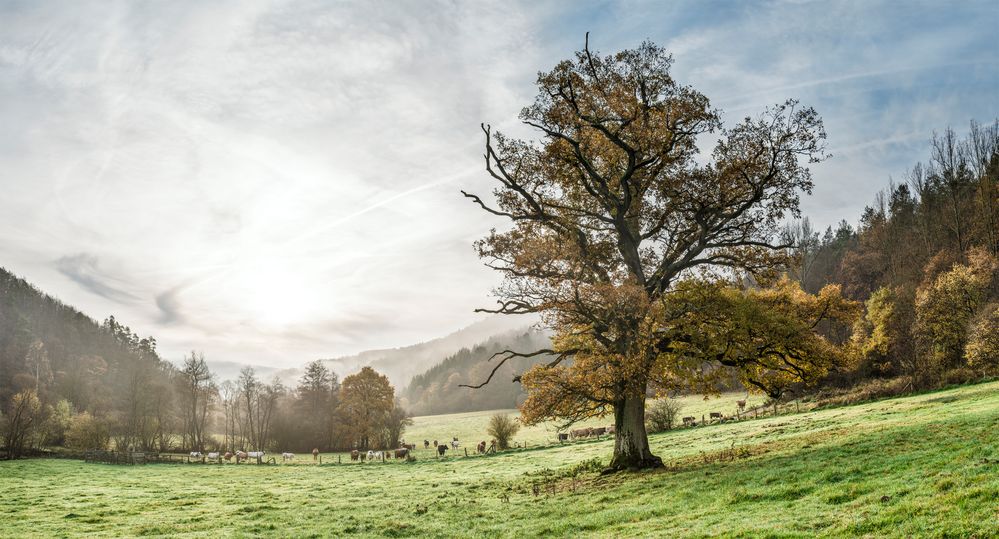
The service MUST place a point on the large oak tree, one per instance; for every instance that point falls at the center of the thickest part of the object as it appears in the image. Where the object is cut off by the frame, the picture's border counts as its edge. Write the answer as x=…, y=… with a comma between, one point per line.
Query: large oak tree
x=610, y=208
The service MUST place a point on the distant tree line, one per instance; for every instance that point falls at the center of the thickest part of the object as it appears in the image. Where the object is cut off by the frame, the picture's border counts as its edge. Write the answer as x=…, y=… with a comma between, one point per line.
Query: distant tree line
x=66, y=380
x=439, y=391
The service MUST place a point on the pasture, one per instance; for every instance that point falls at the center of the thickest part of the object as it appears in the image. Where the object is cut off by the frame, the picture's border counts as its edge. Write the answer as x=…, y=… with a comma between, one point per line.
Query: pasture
x=924, y=466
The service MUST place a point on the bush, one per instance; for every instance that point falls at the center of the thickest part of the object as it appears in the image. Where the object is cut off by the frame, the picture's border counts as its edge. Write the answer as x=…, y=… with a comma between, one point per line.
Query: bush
x=662, y=415
x=88, y=432
x=502, y=428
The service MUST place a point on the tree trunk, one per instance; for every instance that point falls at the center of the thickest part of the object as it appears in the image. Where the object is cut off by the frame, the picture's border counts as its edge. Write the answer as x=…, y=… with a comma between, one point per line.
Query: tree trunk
x=631, y=442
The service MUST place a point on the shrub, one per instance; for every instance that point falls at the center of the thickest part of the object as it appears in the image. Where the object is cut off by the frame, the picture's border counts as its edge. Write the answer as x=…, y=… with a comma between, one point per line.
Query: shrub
x=88, y=432
x=662, y=415
x=502, y=428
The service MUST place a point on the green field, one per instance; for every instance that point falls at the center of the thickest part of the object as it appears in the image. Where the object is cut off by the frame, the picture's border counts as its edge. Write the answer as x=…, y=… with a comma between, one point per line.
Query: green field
x=920, y=466
x=470, y=427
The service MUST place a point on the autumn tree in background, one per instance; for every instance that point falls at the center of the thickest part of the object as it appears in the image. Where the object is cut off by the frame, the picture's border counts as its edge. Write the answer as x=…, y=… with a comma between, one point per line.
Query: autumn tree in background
x=366, y=400
x=502, y=427
x=197, y=393
x=21, y=419
x=610, y=210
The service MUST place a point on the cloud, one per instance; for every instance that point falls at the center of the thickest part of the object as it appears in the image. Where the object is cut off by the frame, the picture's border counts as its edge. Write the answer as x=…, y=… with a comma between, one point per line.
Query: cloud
x=83, y=269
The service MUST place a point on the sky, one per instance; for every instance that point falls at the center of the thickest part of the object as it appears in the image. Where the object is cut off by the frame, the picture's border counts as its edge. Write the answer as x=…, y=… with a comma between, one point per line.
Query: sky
x=277, y=181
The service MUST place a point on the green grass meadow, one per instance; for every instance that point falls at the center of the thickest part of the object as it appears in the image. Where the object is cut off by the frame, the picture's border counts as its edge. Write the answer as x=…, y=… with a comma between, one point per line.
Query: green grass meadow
x=919, y=466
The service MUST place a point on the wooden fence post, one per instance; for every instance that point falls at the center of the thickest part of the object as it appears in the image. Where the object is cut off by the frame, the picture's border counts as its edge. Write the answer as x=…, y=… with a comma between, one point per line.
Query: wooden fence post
x=466, y=451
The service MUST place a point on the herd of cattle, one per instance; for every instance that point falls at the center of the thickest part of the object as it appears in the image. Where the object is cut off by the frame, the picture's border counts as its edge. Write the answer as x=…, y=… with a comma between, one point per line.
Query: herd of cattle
x=441, y=448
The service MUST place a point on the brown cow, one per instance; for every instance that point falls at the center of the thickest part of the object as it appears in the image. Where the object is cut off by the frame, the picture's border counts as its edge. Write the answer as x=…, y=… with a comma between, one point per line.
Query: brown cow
x=227, y=456
x=411, y=447
x=740, y=404
x=241, y=455
x=689, y=420
x=401, y=453
x=481, y=448
x=598, y=431
x=355, y=454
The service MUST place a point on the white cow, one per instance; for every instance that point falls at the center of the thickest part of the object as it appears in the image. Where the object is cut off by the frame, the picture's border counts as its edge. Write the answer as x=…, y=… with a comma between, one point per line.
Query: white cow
x=195, y=454
x=213, y=455
x=454, y=444
x=287, y=456
x=371, y=455
x=259, y=455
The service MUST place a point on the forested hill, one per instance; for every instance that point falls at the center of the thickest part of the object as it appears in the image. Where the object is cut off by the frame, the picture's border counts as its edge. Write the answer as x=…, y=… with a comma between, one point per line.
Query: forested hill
x=437, y=390
x=73, y=356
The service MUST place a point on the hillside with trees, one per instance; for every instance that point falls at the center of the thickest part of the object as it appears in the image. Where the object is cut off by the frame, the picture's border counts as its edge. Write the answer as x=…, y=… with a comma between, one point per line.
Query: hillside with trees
x=440, y=389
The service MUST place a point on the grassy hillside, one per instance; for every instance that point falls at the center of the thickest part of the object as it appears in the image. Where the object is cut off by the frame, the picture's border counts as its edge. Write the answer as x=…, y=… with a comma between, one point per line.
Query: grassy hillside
x=924, y=466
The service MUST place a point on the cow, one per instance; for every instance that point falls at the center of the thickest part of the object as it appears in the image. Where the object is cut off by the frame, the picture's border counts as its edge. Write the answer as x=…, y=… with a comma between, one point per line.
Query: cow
x=285, y=457
x=441, y=449
x=426, y=444
x=598, y=431
x=213, y=456
x=740, y=404
x=716, y=415
x=241, y=455
x=411, y=447
x=481, y=448
x=436, y=444
x=363, y=454
x=690, y=420
x=581, y=433
x=315, y=454
x=354, y=454
x=611, y=429
x=227, y=456
x=402, y=453
x=454, y=444
x=562, y=436
x=196, y=454
x=371, y=455
x=378, y=455
x=259, y=455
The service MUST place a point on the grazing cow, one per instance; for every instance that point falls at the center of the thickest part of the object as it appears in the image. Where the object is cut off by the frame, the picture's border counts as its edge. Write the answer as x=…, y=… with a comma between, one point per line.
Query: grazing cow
x=213, y=456
x=196, y=454
x=315, y=453
x=426, y=444
x=441, y=449
x=354, y=454
x=402, y=453
x=481, y=448
x=598, y=431
x=690, y=420
x=285, y=457
x=241, y=455
x=562, y=436
x=228, y=456
x=716, y=415
x=582, y=433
